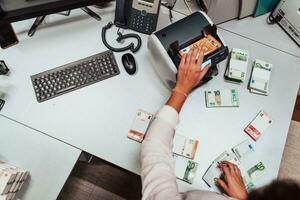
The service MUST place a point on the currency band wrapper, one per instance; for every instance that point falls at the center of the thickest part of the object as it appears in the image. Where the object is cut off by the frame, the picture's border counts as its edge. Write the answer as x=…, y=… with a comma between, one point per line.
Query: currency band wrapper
x=165, y=44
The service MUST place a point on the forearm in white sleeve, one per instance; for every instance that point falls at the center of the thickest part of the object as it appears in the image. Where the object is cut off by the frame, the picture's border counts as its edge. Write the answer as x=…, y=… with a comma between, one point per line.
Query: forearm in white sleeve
x=157, y=165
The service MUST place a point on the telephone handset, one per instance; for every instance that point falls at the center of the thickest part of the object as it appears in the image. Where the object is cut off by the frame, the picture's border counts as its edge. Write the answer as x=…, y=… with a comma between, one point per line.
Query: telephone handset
x=138, y=15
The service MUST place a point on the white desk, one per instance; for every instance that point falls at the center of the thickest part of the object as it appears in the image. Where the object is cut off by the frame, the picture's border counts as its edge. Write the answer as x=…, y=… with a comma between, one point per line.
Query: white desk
x=48, y=160
x=221, y=129
x=257, y=29
x=96, y=118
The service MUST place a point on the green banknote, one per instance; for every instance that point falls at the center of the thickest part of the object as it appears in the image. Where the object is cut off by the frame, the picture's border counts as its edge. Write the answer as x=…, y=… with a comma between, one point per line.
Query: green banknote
x=253, y=174
x=237, y=54
x=190, y=172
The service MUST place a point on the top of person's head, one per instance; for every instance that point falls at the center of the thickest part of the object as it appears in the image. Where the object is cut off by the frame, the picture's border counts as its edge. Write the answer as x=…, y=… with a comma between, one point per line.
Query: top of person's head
x=277, y=190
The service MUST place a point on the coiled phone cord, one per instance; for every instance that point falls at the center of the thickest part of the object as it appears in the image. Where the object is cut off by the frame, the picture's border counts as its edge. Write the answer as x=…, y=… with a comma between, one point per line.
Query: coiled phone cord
x=120, y=38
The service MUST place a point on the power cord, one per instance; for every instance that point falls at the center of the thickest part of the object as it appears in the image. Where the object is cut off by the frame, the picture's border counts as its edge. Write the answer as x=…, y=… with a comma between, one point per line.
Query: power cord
x=202, y=5
x=120, y=38
x=170, y=5
x=3, y=68
x=2, y=102
x=272, y=20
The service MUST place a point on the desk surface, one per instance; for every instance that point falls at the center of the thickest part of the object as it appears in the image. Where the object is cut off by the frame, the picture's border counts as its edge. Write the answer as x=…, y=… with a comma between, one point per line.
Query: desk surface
x=96, y=118
x=42, y=156
x=257, y=29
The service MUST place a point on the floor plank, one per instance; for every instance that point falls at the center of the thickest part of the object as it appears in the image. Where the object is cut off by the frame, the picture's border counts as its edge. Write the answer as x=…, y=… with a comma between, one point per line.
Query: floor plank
x=290, y=163
x=293, y=139
x=296, y=114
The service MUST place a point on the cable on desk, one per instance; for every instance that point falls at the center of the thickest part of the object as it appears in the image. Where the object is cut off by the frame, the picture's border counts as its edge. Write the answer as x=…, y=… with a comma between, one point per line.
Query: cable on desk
x=2, y=102
x=169, y=4
x=272, y=20
x=120, y=38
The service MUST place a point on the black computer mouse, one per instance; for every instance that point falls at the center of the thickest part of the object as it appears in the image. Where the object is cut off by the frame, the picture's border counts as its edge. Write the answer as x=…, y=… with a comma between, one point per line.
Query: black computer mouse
x=129, y=63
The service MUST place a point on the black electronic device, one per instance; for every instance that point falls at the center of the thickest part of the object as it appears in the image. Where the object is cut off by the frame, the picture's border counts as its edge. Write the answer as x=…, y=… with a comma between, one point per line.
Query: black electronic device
x=78, y=74
x=129, y=63
x=138, y=15
x=8, y=37
x=165, y=44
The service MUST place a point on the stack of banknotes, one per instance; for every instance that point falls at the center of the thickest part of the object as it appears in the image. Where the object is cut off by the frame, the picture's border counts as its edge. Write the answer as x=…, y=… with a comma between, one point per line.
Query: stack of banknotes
x=237, y=67
x=244, y=156
x=140, y=125
x=222, y=98
x=12, y=180
x=184, y=151
x=260, y=78
x=258, y=125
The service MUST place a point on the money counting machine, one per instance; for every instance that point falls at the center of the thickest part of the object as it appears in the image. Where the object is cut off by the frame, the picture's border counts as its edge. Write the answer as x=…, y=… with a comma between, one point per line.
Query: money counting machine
x=165, y=44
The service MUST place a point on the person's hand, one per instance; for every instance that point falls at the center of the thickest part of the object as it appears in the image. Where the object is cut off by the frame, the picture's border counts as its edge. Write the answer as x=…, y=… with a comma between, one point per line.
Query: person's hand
x=189, y=72
x=233, y=184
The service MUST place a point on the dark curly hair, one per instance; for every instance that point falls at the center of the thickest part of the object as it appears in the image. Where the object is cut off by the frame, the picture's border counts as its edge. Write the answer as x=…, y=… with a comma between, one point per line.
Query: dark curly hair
x=277, y=190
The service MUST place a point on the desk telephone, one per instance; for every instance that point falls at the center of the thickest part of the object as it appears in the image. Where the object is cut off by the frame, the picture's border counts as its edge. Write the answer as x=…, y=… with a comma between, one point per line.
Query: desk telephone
x=138, y=15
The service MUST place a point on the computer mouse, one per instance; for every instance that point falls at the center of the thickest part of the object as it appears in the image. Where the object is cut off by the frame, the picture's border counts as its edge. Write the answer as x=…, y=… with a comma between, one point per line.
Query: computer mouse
x=129, y=63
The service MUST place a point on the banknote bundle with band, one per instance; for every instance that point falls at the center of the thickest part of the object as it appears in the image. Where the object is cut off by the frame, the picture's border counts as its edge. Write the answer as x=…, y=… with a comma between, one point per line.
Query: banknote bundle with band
x=222, y=98
x=208, y=44
x=242, y=155
x=184, y=152
x=258, y=125
x=260, y=78
x=12, y=180
x=140, y=125
x=236, y=70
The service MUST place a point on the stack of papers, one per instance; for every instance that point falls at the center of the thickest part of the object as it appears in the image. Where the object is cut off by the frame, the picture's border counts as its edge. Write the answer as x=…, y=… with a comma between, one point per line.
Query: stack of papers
x=244, y=156
x=260, y=78
x=237, y=67
x=11, y=180
x=184, y=151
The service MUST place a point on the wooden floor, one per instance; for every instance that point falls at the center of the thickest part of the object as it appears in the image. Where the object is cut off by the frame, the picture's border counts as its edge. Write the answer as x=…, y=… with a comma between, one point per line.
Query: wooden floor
x=290, y=163
x=100, y=180
x=296, y=114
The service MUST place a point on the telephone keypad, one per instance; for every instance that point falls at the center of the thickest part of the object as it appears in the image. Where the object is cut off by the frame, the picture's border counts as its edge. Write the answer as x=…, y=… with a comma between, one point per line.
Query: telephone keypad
x=143, y=22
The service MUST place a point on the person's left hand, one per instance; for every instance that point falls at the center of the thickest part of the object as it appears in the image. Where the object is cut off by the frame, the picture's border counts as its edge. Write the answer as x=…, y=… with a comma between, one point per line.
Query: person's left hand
x=189, y=71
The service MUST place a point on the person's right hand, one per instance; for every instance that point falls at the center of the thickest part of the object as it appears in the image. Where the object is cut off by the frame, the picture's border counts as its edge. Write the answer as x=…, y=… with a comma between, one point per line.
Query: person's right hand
x=189, y=72
x=233, y=185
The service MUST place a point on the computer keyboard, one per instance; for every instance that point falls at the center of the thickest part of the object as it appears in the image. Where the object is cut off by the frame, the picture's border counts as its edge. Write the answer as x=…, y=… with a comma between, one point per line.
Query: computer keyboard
x=75, y=75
